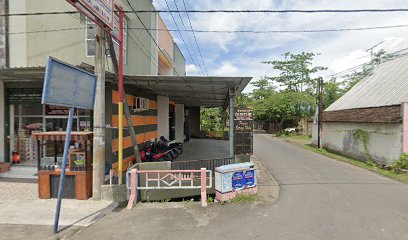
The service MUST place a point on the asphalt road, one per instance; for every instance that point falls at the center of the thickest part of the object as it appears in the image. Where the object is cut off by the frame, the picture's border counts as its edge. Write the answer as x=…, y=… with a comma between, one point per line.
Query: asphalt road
x=320, y=198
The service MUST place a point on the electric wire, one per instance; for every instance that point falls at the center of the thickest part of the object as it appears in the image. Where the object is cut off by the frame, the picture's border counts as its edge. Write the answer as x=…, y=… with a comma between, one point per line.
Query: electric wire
x=234, y=31
x=191, y=42
x=182, y=38
x=195, y=38
x=368, y=10
x=154, y=40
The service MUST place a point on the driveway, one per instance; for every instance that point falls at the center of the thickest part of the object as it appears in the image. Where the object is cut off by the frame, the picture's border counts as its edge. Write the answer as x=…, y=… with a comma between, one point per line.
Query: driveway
x=320, y=198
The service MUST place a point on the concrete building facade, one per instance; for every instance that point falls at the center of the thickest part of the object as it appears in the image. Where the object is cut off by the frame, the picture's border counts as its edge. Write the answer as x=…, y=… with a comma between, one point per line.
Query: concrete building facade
x=71, y=38
x=370, y=122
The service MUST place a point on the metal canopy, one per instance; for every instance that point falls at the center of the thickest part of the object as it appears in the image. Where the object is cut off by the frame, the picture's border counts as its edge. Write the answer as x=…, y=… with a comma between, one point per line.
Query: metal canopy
x=192, y=90
x=188, y=90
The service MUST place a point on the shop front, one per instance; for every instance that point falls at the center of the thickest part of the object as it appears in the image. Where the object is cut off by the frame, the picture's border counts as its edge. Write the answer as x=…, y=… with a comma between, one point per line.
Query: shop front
x=26, y=115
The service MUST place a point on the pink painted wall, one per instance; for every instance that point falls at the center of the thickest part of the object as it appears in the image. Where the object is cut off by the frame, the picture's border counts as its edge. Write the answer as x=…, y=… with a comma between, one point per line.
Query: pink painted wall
x=165, y=38
x=404, y=135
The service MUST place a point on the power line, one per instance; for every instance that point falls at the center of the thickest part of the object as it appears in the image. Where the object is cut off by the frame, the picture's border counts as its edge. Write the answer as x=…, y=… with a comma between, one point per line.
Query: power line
x=373, y=10
x=366, y=64
x=287, y=31
x=189, y=39
x=195, y=39
x=181, y=35
x=155, y=42
x=232, y=31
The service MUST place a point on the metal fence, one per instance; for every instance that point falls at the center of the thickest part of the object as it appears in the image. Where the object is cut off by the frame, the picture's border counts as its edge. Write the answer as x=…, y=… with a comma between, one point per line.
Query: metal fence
x=169, y=180
x=209, y=164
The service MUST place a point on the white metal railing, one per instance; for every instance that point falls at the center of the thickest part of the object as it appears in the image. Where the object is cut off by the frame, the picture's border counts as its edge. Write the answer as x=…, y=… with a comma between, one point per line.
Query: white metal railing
x=169, y=179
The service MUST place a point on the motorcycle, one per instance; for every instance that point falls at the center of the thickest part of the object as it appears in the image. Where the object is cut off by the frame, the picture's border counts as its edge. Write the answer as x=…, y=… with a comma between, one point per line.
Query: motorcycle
x=172, y=144
x=152, y=153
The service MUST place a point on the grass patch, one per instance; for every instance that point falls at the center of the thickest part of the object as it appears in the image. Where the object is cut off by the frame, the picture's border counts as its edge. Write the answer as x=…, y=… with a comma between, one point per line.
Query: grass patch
x=302, y=137
x=366, y=165
x=244, y=198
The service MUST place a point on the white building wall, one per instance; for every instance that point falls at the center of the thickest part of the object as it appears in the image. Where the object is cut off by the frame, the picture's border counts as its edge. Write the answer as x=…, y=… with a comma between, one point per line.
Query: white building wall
x=18, y=42
x=180, y=123
x=163, y=116
x=2, y=122
x=384, y=143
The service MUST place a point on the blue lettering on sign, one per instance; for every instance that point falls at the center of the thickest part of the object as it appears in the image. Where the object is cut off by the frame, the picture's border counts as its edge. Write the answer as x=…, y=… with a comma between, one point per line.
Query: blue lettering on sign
x=237, y=183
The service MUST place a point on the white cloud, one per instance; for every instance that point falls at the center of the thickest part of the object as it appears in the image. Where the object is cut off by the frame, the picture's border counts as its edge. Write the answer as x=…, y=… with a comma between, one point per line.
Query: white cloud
x=191, y=69
x=241, y=54
x=226, y=69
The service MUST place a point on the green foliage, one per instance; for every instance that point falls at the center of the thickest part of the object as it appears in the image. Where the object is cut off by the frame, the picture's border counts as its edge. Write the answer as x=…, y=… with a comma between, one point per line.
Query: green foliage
x=378, y=58
x=263, y=90
x=284, y=133
x=243, y=198
x=363, y=136
x=210, y=199
x=295, y=72
x=211, y=119
x=243, y=101
x=332, y=90
x=285, y=107
x=365, y=165
x=402, y=162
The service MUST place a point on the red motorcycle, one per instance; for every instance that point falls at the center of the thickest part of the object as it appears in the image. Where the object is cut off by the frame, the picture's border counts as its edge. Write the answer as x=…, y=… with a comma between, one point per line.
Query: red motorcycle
x=153, y=153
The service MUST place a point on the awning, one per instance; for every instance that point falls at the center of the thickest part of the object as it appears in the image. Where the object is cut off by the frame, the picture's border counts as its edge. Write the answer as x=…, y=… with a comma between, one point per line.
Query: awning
x=192, y=90
x=60, y=136
x=188, y=90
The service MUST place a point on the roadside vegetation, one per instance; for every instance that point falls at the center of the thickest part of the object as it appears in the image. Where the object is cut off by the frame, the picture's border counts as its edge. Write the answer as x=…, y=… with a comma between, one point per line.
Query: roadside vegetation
x=397, y=171
x=291, y=93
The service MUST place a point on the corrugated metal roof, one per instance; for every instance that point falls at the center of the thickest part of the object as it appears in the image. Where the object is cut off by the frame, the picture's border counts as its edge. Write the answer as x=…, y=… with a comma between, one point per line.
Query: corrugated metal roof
x=386, y=86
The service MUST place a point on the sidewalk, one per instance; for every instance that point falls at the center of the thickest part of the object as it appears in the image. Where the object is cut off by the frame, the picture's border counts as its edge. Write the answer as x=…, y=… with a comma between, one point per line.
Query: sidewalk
x=187, y=220
x=24, y=215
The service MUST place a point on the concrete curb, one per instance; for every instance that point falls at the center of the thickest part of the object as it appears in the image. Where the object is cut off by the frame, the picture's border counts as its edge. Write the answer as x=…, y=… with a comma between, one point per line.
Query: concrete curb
x=268, y=187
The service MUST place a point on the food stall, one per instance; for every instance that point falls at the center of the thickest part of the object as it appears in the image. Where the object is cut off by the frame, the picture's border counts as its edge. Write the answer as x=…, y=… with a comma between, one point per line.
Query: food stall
x=78, y=180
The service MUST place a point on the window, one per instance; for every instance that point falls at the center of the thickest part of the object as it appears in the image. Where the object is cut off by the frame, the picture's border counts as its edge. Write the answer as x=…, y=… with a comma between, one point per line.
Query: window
x=90, y=38
x=140, y=104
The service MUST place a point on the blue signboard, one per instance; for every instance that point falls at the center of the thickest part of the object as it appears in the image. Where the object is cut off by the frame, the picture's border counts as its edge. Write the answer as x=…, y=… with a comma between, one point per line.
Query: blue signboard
x=243, y=179
x=237, y=182
x=249, y=178
x=69, y=86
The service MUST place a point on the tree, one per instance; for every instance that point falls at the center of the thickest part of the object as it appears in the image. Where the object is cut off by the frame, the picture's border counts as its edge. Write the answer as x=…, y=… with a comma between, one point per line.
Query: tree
x=243, y=100
x=285, y=107
x=264, y=88
x=211, y=119
x=378, y=58
x=295, y=72
x=332, y=91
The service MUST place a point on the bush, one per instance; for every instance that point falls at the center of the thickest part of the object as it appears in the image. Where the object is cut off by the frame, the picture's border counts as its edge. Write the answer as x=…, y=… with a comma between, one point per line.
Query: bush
x=284, y=133
x=402, y=162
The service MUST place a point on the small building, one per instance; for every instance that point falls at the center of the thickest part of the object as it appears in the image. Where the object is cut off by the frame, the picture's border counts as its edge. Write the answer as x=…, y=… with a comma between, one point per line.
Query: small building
x=371, y=120
x=162, y=100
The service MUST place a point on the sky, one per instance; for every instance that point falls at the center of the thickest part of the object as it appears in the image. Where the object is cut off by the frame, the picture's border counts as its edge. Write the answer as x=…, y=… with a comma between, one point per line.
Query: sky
x=242, y=54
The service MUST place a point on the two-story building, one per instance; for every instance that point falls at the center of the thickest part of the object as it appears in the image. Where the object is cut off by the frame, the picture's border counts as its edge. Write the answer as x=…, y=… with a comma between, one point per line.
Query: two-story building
x=154, y=69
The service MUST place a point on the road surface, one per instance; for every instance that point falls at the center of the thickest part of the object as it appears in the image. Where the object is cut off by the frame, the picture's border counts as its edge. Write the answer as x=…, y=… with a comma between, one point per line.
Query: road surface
x=325, y=199
x=320, y=198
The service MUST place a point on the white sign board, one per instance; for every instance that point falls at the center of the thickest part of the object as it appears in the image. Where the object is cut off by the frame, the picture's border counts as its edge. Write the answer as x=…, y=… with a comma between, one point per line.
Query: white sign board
x=102, y=10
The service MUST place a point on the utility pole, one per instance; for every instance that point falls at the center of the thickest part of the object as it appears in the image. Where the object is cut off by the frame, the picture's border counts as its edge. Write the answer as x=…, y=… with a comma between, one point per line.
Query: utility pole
x=99, y=117
x=320, y=112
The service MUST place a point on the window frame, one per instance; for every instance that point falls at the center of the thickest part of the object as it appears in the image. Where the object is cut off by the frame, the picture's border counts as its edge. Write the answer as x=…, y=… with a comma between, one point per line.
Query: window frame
x=91, y=25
